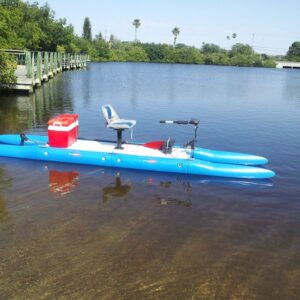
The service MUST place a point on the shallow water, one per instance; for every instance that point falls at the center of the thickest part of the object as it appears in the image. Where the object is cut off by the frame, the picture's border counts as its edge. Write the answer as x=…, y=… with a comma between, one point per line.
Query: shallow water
x=84, y=232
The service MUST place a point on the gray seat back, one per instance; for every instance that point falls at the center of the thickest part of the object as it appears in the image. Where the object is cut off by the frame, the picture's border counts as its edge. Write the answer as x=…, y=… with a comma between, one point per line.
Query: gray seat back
x=109, y=113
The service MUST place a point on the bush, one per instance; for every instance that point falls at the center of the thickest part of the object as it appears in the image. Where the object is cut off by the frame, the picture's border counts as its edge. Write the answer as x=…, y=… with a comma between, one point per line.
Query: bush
x=217, y=59
x=187, y=55
x=8, y=66
x=269, y=63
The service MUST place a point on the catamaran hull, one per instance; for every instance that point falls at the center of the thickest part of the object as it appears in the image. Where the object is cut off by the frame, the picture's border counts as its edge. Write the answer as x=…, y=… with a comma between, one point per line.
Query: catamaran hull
x=229, y=157
x=36, y=149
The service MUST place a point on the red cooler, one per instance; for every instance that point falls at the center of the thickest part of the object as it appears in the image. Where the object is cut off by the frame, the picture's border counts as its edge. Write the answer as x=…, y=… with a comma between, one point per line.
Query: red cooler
x=63, y=130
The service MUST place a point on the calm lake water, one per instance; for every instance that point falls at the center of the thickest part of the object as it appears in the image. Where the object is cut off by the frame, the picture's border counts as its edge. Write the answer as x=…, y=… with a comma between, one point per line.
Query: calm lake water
x=73, y=232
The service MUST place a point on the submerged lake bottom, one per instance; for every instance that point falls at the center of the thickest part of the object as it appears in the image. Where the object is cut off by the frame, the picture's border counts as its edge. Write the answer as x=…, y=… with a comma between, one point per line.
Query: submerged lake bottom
x=69, y=231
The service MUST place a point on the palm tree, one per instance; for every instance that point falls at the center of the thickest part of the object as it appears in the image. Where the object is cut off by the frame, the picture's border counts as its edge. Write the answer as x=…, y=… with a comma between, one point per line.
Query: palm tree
x=136, y=23
x=228, y=38
x=175, y=32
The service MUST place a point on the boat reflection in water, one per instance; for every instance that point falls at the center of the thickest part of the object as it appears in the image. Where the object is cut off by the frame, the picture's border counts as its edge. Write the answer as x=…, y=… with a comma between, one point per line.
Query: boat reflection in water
x=63, y=179
x=115, y=190
x=188, y=181
x=63, y=182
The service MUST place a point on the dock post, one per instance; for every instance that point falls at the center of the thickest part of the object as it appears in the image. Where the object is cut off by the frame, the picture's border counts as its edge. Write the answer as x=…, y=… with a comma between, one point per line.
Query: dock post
x=39, y=70
x=69, y=61
x=55, y=63
x=46, y=66
x=51, y=65
x=33, y=69
x=28, y=64
x=64, y=62
x=59, y=62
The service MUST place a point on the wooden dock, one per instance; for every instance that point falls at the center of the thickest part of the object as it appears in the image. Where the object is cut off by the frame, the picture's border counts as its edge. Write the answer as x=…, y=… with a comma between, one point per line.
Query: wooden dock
x=34, y=68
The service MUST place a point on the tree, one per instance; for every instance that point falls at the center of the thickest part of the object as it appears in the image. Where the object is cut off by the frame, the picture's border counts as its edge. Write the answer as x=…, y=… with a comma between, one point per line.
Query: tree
x=187, y=55
x=293, y=53
x=87, y=29
x=99, y=36
x=60, y=49
x=159, y=52
x=102, y=51
x=211, y=48
x=136, y=23
x=242, y=49
x=113, y=41
x=175, y=32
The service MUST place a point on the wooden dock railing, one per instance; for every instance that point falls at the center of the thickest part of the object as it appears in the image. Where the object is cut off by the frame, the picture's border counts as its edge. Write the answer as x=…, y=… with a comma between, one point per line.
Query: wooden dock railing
x=36, y=67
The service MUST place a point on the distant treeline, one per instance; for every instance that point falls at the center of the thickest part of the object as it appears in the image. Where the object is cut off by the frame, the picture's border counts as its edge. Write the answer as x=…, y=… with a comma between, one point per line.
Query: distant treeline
x=33, y=27
x=209, y=54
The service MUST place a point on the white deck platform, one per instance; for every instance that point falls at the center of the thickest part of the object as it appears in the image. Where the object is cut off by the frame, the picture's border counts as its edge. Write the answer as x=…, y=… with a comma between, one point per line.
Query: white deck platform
x=129, y=149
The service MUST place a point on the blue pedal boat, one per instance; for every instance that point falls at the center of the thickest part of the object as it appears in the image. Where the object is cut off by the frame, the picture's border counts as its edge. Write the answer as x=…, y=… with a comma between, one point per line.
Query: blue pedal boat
x=160, y=156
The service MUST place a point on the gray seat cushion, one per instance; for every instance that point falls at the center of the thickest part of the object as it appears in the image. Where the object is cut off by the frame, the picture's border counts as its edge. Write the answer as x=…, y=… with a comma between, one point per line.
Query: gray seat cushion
x=121, y=124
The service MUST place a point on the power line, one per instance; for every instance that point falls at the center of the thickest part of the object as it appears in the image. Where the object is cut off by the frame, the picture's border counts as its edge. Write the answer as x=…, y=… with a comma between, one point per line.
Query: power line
x=272, y=50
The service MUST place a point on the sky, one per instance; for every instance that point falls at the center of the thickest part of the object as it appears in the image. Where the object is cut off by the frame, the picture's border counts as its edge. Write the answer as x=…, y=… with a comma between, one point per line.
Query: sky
x=270, y=26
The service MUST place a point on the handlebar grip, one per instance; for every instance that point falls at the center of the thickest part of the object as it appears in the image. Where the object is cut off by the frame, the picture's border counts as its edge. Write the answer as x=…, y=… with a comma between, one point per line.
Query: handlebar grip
x=166, y=122
x=194, y=122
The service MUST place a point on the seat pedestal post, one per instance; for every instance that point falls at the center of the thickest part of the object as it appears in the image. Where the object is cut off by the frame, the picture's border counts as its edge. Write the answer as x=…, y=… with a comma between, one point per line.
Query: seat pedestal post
x=119, y=141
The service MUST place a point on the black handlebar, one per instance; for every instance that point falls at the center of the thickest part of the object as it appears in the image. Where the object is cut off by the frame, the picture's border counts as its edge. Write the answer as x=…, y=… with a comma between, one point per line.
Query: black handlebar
x=192, y=121
x=174, y=122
